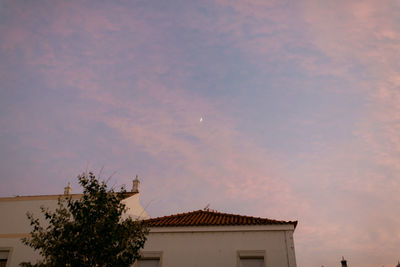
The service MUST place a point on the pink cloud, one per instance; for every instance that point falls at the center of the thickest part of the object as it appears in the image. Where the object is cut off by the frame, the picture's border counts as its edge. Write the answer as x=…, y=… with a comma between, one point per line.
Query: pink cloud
x=14, y=37
x=162, y=113
x=162, y=118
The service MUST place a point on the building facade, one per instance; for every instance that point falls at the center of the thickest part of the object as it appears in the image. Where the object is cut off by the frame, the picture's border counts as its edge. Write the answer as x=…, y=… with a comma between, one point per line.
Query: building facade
x=198, y=238
x=14, y=224
x=213, y=239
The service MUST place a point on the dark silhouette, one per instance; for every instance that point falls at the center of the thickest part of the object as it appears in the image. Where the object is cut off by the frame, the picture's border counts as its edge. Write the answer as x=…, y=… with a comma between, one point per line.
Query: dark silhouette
x=344, y=262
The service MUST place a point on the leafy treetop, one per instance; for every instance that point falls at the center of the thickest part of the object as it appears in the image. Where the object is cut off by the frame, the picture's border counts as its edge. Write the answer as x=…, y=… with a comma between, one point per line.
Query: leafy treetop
x=89, y=231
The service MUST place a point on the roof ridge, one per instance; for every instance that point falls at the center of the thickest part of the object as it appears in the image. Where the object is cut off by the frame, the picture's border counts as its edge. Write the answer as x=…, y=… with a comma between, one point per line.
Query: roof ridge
x=207, y=217
x=238, y=215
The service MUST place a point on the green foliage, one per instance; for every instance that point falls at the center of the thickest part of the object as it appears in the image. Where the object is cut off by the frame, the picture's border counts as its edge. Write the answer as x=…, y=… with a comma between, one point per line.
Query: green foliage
x=88, y=231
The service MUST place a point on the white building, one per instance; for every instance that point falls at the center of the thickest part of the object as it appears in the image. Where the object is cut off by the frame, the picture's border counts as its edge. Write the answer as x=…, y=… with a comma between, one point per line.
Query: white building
x=213, y=239
x=198, y=238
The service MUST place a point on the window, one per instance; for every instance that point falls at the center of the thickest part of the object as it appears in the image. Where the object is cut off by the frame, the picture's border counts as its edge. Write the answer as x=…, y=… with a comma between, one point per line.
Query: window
x=252, y=262
x=149, y=263
x=251, y=258
x=149, y=259
x=3, y=258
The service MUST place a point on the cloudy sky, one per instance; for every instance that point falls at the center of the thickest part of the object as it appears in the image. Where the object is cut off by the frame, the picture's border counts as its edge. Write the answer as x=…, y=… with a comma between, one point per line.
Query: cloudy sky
x=299, y=100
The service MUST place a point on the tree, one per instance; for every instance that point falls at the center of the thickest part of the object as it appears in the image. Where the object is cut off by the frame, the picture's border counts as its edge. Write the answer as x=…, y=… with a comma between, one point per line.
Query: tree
x=89, y=231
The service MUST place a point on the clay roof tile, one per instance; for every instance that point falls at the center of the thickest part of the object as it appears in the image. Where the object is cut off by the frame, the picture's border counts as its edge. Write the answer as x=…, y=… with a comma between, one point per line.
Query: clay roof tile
x=204, y=218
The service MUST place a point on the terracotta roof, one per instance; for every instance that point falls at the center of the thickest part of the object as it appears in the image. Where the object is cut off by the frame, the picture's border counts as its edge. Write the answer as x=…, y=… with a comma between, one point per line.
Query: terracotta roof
x=210, y=218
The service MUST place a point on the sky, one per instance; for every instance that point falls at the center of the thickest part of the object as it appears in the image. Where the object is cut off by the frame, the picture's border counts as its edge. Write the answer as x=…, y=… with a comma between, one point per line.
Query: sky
x=288, y=110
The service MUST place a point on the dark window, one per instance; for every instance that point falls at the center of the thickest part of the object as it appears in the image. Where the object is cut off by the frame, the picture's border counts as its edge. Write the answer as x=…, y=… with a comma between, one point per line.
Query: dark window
x=3, y=258
x=148, y=263
x=252, y=262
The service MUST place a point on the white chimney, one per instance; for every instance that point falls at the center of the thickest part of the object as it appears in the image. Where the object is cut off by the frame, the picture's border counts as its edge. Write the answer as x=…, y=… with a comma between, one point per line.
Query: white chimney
x=68, y=189
x=135, y=186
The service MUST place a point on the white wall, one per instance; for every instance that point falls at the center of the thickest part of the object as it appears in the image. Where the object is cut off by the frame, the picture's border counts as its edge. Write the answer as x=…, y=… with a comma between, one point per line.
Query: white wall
x=218, y=246
x=134, y=208
x=18, y=252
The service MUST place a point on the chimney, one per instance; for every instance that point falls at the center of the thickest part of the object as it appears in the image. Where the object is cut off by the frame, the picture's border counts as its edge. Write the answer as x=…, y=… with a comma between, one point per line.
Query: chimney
x=68, y=189
x=344, y=262
x=135, y=186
